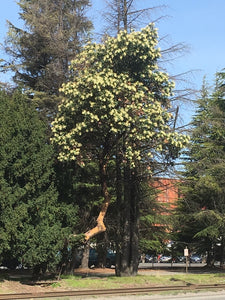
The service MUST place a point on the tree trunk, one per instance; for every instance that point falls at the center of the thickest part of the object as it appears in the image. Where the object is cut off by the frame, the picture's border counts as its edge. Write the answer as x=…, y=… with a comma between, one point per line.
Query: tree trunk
x=125, y=15
x=101, y=248
x=85, y=256
x=127, y=252
x=100, y=220
x=210, y=258
x=119, y=206
x=75, y=261
x=222, y=253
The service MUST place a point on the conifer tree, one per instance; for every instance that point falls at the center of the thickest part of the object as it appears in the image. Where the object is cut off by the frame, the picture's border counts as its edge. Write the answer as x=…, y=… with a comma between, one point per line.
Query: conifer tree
x=33, y=224
x=203, y=206
x=41, y=52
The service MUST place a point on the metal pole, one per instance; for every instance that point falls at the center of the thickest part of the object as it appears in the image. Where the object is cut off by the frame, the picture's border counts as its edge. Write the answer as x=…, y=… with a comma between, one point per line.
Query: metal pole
x=186, y=264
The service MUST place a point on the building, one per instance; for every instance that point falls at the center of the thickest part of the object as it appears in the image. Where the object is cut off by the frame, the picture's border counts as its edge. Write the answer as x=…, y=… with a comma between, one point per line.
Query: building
x=167, y=192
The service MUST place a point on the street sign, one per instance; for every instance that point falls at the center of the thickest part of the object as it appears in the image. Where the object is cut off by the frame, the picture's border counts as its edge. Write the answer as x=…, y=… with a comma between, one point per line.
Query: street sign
x=186, y=252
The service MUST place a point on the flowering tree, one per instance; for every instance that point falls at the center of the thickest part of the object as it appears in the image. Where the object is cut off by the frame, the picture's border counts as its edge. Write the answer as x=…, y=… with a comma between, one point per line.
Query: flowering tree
x=117, y=102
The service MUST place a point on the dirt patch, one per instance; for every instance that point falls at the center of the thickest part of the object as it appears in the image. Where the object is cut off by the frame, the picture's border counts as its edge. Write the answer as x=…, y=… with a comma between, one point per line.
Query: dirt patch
x=100, y=272
x=21, y=282
x=103, y=272
x=10, y=287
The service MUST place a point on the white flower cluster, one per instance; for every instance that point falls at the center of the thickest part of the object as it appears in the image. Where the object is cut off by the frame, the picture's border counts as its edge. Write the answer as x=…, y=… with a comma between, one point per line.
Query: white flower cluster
x=117, y=92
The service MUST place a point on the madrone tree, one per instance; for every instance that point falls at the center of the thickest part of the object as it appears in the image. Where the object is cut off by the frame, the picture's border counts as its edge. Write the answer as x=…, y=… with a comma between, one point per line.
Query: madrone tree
x=116, y=106
x=129, y=15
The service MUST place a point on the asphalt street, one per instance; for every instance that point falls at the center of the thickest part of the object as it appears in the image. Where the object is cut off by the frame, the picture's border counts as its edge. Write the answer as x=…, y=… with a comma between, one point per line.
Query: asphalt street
x=188, y=296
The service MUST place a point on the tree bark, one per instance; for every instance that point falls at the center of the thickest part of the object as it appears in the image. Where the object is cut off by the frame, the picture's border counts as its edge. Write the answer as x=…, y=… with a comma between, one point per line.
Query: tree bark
x=85, y=257
x=119, y=205
x=127, y=261
x=222, y=253
x=210, y=257
x=100, y=227
x=125, y=14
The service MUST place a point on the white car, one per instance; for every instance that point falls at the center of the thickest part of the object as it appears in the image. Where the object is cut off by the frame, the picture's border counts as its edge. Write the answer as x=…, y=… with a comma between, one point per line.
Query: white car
x=165, y=259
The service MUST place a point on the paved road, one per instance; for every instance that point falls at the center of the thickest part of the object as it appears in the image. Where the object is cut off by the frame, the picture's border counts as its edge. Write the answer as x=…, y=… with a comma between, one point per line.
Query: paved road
x=188, y=296
x=175, y=267
x=169, y=265
x=201, y=296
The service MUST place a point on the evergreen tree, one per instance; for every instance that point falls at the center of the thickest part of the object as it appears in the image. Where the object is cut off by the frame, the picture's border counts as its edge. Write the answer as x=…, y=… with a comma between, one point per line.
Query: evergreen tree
x=33, y=225
x=39, y=55
x=155, y=223
x=41, y=52
x=204, y=203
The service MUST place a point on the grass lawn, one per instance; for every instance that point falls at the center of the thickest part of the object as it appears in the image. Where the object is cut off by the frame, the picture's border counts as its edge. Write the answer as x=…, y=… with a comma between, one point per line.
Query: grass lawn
x=20, y=282
x=77, y=282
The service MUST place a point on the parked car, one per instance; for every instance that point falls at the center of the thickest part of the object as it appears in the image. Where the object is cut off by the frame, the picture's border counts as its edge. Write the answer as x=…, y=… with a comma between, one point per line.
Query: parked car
x=150, y=259
x=180, y=259
x=195, y=258
x=10, y=263
x=93, y=258
x=165, y=259
x=110, y=258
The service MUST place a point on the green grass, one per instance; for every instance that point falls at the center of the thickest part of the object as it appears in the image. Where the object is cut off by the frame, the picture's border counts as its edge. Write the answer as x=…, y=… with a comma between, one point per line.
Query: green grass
x=77, y=282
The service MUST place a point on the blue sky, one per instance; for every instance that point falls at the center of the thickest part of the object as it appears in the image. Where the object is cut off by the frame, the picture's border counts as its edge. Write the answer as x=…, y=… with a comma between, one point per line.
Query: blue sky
x=198, y=23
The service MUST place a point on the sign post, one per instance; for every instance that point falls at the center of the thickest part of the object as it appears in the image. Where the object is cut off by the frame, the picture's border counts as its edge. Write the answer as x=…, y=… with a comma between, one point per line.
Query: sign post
x=186, y=255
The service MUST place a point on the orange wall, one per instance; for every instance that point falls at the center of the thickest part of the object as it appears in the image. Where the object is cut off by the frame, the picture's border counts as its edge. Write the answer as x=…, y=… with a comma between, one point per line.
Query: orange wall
x=168, y=191
x=168, y=194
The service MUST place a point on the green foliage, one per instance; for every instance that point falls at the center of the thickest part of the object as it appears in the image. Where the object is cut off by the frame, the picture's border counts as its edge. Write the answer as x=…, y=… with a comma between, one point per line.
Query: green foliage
x=116, y=113
x=203, y=205
x=152, y=224
x=77, y=240
x=30, y=216
x=76, y=186
x=117, y=94
x=41, y=51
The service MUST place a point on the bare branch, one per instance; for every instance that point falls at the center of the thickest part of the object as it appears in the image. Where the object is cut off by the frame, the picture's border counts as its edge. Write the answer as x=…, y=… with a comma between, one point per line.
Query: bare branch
x=146, y=9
